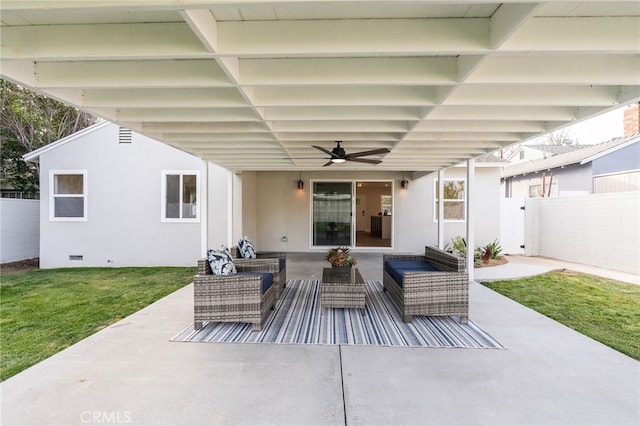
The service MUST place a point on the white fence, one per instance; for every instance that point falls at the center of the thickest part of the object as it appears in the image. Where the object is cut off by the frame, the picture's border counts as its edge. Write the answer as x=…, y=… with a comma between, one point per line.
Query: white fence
x=599, y=229
x=19, y=229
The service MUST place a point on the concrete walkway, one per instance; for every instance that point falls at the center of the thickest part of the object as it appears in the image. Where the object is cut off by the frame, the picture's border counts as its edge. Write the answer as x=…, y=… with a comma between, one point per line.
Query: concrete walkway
x=521, y=266
x=130, y=373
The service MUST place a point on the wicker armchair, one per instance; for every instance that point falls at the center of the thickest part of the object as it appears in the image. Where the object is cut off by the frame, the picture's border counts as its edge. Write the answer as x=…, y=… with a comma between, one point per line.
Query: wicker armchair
x=231, y=298
x=266, y=261
x=443, y=290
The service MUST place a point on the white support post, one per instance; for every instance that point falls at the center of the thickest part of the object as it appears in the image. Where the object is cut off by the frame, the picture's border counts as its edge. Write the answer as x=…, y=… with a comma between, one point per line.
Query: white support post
x=204, y=208
x=470, y=215
x=440, y=209
x=230, y=200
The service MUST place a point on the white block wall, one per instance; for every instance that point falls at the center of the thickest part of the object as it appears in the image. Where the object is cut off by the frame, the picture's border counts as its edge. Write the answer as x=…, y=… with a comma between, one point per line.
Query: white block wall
x=599, y=229
x=19, y=229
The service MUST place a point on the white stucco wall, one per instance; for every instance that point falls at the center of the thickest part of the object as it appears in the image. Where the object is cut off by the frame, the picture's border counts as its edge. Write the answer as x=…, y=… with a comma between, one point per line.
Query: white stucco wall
x=598, y=229
x=124, y=226
x=19, y=229
x=282, y=210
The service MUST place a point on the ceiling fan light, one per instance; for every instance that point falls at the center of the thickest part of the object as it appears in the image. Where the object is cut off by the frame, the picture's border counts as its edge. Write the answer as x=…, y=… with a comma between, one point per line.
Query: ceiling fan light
x=338, y=160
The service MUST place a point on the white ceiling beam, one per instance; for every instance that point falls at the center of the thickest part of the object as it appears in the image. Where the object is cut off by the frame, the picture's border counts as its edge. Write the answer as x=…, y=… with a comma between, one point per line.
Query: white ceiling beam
x=619, y=34
x=533, y=95
x=342, y=113
x=460, y=135
x=204, y=26
x=349, y=143
x=508, y=19
x=335, y=136
x=628, y=94
x=147, y=98
x=344, y=96
x=187, y=114
x=452, y=149
x=339, y=126
x=135, y=74
x=448, y=143
x=231, y=145
x=12, y=5
x=480, y=125
x=555, y=69
x=20, y=72
x=225, y=127
x=205, y=137
x=535, y=113
x=365, y=37
x=354, y=71
x=101, y=41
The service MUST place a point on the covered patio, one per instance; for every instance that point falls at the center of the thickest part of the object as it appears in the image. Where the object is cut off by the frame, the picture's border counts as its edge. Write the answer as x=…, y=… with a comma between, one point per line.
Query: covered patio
x=253, y=86
x=131, y=373
x=265, y=89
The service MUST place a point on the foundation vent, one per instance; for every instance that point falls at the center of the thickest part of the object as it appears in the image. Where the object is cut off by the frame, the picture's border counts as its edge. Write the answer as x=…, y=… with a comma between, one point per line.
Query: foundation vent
x=124, y=135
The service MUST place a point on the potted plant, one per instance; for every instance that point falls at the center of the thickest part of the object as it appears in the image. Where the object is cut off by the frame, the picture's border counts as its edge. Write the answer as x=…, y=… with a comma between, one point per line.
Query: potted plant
x=339, y=257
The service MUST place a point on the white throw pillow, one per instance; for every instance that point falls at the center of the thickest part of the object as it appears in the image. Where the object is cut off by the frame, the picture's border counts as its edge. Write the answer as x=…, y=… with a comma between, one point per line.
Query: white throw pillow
x=221, y=263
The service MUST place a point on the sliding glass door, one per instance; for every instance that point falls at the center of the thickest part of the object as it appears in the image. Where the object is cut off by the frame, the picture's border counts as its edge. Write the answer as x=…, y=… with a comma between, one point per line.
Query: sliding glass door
x=332, y=218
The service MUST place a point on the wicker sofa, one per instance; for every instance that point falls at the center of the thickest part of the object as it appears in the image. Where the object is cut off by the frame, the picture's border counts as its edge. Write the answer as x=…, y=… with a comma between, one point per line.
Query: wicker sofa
x=433, y=284
x=267, y=261
x=244, y=297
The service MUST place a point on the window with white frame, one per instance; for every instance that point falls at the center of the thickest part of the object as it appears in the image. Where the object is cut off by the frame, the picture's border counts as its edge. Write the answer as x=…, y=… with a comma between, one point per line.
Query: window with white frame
x=68, y=195
x=537, y=191
x=180, y=191
x=454, y=200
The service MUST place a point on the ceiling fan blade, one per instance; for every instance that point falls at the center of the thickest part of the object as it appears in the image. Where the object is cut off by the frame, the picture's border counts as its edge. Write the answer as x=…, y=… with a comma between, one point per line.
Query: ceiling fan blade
x=364, y=160
x=326, y=151
x=305, y=158
x=328, y=163
x=372, y=152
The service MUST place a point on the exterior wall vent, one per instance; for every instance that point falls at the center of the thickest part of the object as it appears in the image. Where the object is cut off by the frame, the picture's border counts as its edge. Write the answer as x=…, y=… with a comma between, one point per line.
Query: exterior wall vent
x=76, y=257
x=124, y=135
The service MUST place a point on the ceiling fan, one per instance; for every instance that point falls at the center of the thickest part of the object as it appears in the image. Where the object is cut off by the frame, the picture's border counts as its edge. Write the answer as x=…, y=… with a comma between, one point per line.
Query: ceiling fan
x=339, y=155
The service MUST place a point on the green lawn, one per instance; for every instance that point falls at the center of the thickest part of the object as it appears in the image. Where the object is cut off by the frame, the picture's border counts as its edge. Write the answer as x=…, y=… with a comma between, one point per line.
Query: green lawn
x=605, y=310
x=45, y=311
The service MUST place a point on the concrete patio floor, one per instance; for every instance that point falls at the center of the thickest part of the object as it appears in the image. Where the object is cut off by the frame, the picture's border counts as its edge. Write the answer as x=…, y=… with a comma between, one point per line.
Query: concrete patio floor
x=130, y=373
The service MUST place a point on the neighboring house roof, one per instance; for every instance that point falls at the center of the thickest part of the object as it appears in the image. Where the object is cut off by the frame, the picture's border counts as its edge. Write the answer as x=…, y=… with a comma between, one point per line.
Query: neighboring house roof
x=554, y=149
x=583, y=155
x=35, y=155
x=490, y=159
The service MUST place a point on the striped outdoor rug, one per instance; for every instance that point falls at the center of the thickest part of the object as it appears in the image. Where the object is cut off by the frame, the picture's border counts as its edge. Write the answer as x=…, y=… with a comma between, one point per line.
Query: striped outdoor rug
x=299, y=319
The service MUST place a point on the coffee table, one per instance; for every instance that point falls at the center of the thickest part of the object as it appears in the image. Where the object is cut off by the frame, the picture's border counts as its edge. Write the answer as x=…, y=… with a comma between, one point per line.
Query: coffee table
x=342, y=288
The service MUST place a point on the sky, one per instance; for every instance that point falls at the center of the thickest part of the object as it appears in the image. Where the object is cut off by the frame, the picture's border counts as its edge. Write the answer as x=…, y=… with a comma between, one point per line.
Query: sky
x=598, y=129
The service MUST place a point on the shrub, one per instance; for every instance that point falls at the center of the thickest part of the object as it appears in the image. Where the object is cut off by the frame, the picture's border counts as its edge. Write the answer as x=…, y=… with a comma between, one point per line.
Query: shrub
x=458, y=246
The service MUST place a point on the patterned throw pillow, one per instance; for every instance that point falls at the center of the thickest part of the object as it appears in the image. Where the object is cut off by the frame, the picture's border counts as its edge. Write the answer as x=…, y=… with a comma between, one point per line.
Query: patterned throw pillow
x=246, y=248
x=224, y=249
x=221, y=263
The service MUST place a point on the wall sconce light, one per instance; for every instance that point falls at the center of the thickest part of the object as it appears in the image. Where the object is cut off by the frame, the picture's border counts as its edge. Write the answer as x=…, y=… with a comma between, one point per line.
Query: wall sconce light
x=300, y=182
x=404, y=184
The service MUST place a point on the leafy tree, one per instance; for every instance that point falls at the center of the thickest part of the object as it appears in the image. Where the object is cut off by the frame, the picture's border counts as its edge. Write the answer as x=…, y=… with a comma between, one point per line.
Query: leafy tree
x=29, y=121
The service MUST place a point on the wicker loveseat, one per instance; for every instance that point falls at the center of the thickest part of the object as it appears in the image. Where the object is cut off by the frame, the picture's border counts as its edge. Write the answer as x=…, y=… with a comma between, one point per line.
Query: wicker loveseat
x=244, y=297
x=432, y=284
x=267, y=261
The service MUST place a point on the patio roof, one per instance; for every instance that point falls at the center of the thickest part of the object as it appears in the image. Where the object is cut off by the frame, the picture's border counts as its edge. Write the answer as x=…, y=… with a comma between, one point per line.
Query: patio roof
x=251, y=85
